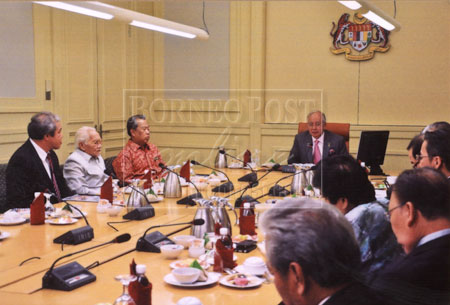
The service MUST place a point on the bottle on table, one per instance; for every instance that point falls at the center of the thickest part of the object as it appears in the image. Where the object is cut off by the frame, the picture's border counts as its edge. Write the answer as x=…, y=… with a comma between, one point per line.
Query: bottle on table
x=225, y=239
x=223, y=251
x=141, y=289
x=247, y=220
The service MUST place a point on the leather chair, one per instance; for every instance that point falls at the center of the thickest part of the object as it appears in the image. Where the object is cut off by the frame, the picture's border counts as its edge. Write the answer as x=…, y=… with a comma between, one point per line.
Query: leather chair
x=342, y=129
x=3, y=187
x=109, y=167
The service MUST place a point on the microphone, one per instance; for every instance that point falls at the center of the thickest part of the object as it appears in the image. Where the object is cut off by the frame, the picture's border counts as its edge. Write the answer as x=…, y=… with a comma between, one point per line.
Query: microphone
x=140, y=213
x=72, y=275
x=241, y=199
x=223, y=188
x=188, y=200
x=76, y=236
x=152, y=242
x=247, y=178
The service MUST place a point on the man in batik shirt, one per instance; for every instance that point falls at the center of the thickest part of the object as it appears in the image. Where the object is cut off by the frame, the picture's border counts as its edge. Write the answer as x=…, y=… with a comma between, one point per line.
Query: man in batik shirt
x=139, y=156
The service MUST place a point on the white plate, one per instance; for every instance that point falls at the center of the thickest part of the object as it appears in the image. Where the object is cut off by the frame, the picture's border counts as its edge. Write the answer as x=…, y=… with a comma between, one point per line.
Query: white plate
x=253, y=282
x=17, y=221
x=242, y=269
x=56, y=221
x=176, y=264
x=213, y=277
x=235, y=165
x=157, y=199
x=74, y=214
x=268, y=165
x=4, y=235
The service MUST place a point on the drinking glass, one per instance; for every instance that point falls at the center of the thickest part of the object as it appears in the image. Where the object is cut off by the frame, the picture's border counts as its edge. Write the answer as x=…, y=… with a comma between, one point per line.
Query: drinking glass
x=125, y=298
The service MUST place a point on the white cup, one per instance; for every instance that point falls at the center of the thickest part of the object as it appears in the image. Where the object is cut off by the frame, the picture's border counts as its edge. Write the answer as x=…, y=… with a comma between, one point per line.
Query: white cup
x=196, y=248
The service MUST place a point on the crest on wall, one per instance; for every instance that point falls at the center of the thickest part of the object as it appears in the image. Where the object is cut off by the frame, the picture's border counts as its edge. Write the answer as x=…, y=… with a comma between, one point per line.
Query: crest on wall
x=360, y=39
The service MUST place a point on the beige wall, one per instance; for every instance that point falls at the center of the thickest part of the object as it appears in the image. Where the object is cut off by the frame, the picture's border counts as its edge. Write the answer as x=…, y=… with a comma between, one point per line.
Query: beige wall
x=280, y=68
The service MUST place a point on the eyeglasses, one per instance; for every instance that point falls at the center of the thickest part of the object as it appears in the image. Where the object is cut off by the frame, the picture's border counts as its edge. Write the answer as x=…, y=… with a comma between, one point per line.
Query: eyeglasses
x=420, y=157
x=317, y=124
x=389, y=212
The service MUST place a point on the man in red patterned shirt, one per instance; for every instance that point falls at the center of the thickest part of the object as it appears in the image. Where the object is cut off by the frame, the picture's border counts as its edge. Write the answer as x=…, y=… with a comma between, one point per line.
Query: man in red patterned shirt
x=138, y=156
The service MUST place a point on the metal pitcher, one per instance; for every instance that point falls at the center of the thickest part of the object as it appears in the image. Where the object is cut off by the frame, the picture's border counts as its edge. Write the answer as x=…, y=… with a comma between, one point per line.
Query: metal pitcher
x=204, y=211
x=221, y=214
x=137, y=197
x=172, y=186
x=221, y=159
x=299, y=181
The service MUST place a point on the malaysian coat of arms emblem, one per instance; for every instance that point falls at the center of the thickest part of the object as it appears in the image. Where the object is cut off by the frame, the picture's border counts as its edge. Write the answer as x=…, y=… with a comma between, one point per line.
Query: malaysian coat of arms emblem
x=360, y=39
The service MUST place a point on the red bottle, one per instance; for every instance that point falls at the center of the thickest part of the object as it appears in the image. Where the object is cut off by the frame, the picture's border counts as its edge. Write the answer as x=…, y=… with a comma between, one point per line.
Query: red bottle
x=247, y=220
x=141, y=289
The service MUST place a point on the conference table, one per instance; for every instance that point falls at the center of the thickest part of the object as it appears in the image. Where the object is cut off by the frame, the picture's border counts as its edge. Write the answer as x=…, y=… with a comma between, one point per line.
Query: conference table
x=21, y=284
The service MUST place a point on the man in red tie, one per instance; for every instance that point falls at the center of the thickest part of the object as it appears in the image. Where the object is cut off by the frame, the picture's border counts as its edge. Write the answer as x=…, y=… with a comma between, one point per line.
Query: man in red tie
x=316, y=143
x=34, y=167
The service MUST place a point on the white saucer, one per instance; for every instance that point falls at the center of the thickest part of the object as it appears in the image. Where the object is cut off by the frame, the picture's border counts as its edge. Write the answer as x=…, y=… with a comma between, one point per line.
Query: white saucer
x=213, y=277
x=181, y=264
x=235, y=165
x=253, y=282
x=4, y=235
x=56, y=222
x=153, y=200
x=242, y=269
x=17, y=221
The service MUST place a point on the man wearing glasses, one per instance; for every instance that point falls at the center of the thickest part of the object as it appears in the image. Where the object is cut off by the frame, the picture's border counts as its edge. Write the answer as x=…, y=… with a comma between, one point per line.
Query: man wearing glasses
x=420, y=218
x=435, y=151
x=316, y=143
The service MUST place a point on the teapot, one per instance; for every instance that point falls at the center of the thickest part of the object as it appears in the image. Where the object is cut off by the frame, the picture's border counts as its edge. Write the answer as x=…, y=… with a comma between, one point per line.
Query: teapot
x=220, y=213
x=299, y=181
x=172, y=186
x=137, y=197
x=221, y=159
x=204, y=211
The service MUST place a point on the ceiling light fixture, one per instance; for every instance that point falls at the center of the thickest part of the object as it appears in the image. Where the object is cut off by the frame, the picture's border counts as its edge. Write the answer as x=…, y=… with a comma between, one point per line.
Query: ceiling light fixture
x=373, y=13
x=76, y=9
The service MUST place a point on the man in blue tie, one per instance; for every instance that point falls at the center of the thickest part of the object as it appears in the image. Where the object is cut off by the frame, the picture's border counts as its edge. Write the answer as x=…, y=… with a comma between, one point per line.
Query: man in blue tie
x=316, y=143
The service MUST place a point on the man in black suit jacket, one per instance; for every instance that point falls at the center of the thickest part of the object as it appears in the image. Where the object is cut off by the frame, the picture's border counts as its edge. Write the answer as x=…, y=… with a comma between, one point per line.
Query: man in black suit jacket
x=420, y=218
x=328, y=143
x=28, y=169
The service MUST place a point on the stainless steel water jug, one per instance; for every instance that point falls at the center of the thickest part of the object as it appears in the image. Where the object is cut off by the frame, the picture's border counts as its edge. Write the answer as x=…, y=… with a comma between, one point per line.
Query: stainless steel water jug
x=204, y=211
x=220, y=213
x=299, y=181
x=221, y=159
x=137, y=196
x=172, y=186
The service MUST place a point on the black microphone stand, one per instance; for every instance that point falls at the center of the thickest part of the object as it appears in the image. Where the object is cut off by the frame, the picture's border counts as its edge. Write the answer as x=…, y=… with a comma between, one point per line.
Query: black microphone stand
x=76, y=236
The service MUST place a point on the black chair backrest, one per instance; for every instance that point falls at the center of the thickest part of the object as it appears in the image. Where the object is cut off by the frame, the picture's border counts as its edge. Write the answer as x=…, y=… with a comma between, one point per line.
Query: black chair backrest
x=3, y=187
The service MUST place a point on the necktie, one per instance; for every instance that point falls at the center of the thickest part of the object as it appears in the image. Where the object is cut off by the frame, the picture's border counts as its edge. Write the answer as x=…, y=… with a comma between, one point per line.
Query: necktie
x=52, y=172
x=317, y=155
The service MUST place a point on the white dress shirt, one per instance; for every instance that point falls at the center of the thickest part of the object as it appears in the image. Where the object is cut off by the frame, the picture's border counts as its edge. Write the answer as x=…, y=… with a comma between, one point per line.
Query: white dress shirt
x=433, y=236
x=43, y=156
x=84, y=174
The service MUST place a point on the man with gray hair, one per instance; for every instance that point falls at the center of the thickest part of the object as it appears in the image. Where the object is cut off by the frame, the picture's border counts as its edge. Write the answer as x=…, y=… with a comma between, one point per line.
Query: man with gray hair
x=316, y=143
x=84, y=170
x=34, y=167
x=313, y=255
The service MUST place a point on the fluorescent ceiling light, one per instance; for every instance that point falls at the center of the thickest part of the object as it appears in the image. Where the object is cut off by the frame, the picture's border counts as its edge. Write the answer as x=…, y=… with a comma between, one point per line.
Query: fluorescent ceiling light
x=76, y=9
x=158, y=28
x=379, y=20
x=353, y=5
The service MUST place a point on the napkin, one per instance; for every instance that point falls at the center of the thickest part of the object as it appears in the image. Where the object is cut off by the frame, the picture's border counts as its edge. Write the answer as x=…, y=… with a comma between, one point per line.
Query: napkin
x=226, y=254
x=246, y=224
x=185, y=171
x=148, y=180
x=37, y=210
x=247, y=157
x=106, y=191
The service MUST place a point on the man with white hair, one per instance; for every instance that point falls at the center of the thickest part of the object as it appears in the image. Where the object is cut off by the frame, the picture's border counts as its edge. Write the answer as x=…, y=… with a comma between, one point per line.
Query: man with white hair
x=313, y=254
x=84, y=170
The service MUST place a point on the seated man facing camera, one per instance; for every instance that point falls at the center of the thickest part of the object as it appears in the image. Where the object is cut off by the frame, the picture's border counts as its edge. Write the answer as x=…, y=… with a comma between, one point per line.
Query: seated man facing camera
x=345, y=184
x=312, y=252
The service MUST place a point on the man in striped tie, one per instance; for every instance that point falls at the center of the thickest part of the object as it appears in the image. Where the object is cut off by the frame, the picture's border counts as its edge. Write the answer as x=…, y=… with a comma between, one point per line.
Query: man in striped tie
x=316, y=143
x=34, y=167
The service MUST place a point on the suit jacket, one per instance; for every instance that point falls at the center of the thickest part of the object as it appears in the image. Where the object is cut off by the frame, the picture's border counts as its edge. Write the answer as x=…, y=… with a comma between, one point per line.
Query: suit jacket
x=421, y=277
x=301, y=151
x=26, y=175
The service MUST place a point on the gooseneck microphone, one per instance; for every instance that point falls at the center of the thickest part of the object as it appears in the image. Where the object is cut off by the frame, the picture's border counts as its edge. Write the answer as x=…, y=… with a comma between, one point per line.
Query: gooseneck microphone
x=188, y=200
x=73, y=275
x=247, y=178
x=78, y=235
x=223, y=188
x=152, y=242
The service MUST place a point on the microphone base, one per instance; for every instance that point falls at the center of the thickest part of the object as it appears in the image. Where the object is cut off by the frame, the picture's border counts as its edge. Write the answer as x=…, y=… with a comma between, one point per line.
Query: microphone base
x=75, y=236
x=224, y=188
x=246, y=198
x=67, y=277
x=251, y=177
x=278, y=191
x=189, y=199
x=152, y=242
x=140, y=213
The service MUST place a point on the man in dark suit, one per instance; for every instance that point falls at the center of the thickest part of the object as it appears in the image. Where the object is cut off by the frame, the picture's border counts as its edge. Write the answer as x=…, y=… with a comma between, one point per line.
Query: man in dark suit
x=435, y=150
x=34, y=167
x=316, y=143
x=312, y=252
x=420, y=217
